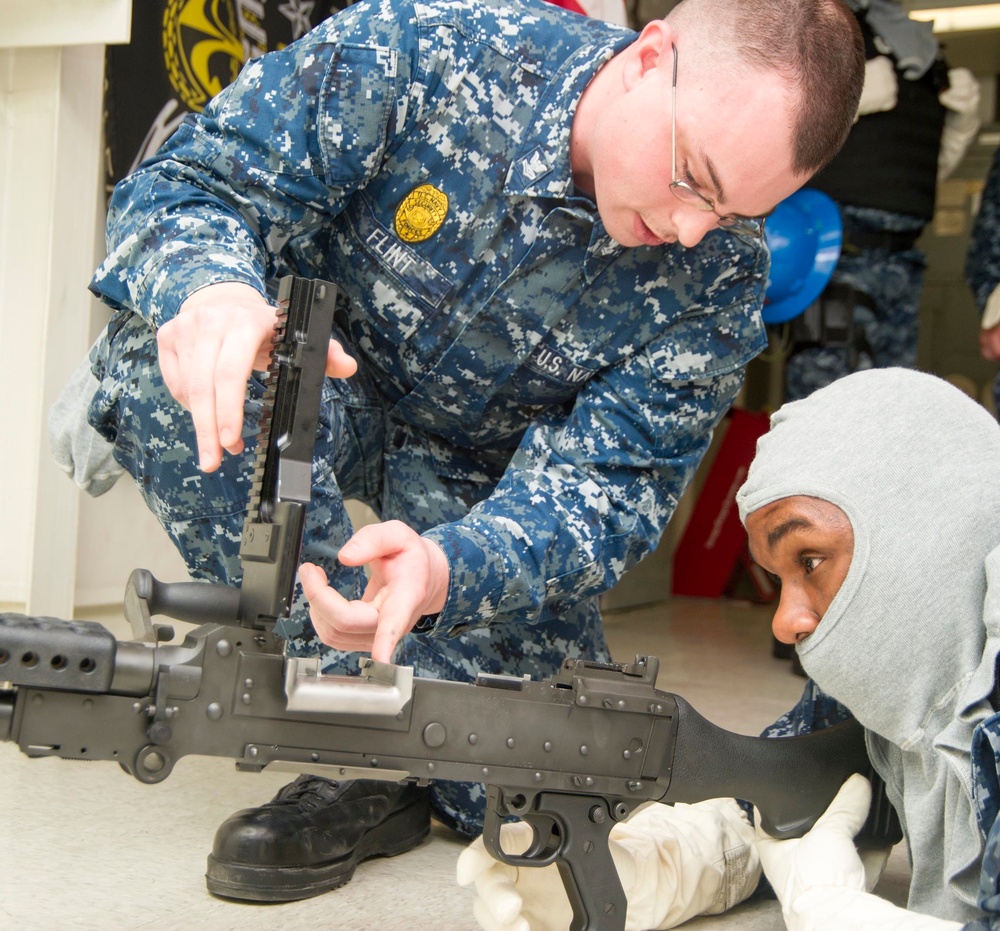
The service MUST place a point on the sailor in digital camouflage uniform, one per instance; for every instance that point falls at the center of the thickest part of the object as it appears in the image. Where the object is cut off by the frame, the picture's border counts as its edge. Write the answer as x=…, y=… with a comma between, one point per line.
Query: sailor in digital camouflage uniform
x=882, y=522
x=982, y=270
x=546, y=330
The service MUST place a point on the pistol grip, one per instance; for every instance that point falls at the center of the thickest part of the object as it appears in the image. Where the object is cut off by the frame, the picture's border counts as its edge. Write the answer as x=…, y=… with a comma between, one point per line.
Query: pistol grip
x=572, y=831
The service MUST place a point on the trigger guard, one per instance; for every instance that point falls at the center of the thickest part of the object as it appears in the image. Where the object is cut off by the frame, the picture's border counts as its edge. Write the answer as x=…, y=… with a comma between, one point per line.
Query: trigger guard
x=545, y=847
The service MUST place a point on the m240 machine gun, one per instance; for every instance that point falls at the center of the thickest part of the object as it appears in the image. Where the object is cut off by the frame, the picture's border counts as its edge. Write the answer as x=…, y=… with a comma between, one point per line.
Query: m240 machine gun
x=571, y=755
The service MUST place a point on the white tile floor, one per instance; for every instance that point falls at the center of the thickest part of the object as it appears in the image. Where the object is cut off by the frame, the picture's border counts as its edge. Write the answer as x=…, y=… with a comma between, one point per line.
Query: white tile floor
x=83, y=847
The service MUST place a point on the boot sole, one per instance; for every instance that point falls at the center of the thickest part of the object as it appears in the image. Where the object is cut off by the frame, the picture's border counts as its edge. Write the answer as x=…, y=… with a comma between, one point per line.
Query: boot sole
x=400, y=832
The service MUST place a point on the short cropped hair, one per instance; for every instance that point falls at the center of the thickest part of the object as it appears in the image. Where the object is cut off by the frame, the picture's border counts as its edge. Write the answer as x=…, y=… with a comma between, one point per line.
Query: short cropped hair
x=815, y=44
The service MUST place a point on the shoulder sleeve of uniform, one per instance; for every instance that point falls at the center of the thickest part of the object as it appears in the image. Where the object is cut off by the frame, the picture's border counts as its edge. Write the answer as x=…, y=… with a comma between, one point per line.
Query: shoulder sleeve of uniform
x=721, y=327
x=726, y=340
x=270, y=160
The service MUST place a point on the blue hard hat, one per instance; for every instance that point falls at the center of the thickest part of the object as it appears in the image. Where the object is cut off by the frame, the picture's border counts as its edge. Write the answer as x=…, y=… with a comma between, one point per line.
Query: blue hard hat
x=804, y=236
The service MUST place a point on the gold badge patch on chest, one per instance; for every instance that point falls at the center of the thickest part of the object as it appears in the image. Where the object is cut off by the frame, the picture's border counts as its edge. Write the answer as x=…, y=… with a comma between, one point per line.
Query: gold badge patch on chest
x=421, y=213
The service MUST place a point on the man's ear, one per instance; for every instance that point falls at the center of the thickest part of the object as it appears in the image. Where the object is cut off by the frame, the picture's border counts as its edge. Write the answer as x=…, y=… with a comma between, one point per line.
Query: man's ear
x=649, y=51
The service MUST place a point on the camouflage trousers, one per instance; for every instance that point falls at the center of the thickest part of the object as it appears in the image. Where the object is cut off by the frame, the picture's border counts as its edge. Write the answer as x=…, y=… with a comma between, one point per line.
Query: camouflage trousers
x=361, y=453
x=887, y=330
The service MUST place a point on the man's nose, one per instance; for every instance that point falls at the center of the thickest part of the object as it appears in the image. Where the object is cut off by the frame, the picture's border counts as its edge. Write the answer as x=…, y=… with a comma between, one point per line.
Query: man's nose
x=692, y=225
x=794, y=620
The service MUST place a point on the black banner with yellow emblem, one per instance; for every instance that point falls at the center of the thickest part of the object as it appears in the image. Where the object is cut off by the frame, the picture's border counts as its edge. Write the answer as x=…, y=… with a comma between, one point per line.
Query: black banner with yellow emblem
x=182, y=53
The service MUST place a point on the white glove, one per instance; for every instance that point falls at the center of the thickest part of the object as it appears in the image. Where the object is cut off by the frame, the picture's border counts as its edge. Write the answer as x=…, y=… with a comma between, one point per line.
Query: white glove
x=961, y=122
x=874, y=860
x=881, y=88
x=962, y=95
x=820, y=879
x=674, y=862
x=829, y=909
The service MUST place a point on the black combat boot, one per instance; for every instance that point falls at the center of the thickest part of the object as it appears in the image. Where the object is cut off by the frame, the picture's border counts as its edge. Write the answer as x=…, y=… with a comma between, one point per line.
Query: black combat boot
x=310, y=837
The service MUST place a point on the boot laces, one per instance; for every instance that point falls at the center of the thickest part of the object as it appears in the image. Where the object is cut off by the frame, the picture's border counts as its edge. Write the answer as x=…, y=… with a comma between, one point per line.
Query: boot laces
x=306, y=792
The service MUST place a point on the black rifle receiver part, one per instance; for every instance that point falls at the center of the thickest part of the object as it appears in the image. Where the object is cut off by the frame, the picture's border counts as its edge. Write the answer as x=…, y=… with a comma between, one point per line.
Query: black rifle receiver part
x=282, y=476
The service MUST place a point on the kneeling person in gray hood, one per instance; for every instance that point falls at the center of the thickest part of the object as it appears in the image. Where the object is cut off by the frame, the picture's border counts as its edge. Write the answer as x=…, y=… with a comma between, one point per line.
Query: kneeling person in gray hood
x=876, y=503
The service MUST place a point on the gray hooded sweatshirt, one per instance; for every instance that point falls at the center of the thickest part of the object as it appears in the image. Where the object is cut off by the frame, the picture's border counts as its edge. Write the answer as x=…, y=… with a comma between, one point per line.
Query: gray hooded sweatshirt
x=909, y=644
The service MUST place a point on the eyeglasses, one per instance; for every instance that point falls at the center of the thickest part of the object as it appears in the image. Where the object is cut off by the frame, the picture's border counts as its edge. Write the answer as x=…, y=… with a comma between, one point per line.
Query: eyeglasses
x=687, y=194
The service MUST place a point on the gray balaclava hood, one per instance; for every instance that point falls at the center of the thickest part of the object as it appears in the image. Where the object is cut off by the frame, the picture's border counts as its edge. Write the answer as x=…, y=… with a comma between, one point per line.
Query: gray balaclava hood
x=906, y=643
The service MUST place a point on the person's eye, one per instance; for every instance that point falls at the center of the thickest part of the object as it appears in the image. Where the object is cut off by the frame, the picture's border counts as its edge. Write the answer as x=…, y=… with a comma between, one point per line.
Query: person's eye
x=689, y=178
x=810, y=563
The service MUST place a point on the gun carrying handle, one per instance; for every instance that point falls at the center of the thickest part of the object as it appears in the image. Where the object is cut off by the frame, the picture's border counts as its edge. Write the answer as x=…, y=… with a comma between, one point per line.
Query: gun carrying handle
x=572, y=831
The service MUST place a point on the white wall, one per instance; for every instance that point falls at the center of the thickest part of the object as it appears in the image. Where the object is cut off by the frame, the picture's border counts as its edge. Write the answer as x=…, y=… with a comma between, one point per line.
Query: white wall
x=57, y=549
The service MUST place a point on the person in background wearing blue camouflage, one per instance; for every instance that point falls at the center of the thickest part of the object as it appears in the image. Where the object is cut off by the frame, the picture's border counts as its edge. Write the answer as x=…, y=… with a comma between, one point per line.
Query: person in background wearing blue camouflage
x=547, y=235
x=915, y=121
x=982, y=270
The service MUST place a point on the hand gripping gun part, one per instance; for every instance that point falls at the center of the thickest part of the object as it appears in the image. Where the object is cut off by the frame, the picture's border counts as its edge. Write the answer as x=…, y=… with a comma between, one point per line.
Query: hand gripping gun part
x=570, y=755
x=281, y=483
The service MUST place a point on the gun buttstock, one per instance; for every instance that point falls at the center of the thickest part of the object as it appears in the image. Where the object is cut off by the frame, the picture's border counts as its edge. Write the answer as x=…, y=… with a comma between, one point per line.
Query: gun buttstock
x=791, y=780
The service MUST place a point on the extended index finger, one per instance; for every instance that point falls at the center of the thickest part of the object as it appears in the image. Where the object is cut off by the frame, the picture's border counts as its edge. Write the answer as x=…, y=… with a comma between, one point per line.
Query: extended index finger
x=233, y=366
x=198, y=374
